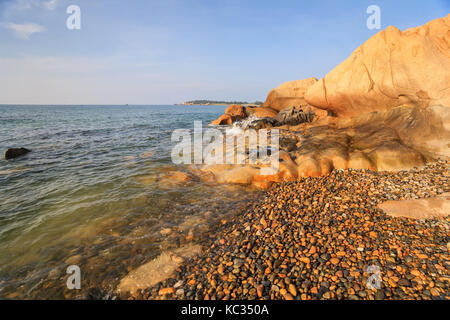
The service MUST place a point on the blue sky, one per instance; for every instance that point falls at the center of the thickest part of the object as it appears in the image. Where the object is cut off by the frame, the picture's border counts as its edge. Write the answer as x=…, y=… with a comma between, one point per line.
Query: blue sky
x=169, y=51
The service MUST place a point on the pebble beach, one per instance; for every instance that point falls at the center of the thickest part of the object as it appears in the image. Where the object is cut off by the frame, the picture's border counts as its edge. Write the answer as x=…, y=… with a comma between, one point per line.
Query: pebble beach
x=322, y=238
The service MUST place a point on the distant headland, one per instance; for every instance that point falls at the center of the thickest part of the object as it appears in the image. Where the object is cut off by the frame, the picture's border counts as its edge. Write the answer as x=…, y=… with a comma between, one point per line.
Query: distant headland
x=213, y=102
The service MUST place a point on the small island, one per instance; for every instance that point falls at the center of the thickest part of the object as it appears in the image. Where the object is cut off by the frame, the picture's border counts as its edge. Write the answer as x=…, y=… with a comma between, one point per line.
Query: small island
x=215, y=103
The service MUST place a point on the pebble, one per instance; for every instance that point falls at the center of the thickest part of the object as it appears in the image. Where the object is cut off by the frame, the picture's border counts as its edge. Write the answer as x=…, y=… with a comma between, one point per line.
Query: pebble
x=316, y=237
x=165, y=291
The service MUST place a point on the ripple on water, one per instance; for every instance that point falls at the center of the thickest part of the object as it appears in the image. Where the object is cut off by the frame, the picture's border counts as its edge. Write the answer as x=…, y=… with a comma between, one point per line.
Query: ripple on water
x=92, y=192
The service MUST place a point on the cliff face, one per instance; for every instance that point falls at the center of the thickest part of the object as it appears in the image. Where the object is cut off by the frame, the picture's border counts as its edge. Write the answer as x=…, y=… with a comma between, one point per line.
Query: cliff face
x=392, y=68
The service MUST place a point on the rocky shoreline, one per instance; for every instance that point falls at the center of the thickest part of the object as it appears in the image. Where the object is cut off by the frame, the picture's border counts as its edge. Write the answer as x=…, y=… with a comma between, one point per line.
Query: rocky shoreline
x=315, y=239
x=369, y=133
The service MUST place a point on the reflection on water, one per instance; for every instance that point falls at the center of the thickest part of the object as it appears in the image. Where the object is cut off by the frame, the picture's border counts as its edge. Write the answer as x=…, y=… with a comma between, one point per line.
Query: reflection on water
x=93, y=193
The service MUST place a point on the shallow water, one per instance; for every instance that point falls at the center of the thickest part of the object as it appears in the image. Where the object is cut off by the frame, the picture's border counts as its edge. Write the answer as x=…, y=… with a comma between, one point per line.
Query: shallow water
x=92, y=193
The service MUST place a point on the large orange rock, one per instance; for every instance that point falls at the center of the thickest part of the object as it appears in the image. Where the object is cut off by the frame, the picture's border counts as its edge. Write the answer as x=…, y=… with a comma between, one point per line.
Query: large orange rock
x=238, y=112
x=392, y=68
x=232, y=114
x=224, y=119
x=289, y=94
x=263, y=112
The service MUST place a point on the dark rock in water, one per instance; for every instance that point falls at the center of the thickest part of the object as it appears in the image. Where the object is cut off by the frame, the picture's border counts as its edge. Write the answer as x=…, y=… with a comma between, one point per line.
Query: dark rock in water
x=295, y=115
x=263, y=123
x=15, y=152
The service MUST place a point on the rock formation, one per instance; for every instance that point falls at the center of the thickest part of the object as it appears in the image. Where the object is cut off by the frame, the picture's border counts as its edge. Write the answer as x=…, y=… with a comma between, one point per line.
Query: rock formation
x=289, y=94
x=391, y=69
x=15, y=152
x=387, y=107
x=262, y=112
x=295, y=116
x=232, y=114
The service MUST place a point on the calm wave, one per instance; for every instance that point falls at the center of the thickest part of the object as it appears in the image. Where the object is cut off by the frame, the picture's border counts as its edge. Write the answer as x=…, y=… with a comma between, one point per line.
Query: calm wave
x=91, y=193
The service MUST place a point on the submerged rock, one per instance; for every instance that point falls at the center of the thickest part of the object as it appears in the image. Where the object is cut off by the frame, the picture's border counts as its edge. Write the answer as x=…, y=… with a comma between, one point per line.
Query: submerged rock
x=16, y=152
x=157, y=270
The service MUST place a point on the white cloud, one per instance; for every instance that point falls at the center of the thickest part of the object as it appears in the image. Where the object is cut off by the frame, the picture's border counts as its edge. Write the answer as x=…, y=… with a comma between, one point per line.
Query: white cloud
x=29, y=4
x=25, y=30
x=51, y=5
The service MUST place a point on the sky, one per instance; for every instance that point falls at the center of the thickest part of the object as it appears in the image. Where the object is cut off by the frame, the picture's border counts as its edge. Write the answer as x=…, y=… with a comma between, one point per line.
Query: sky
x=170, y=51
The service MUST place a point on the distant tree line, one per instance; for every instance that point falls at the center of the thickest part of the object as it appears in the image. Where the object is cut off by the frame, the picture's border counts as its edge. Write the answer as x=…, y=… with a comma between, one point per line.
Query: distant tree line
x=222, y=102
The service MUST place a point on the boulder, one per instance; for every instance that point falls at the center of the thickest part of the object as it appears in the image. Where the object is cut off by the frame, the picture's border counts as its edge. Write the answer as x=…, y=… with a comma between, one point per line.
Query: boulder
x=223, y=120
x=391, y=69
x=15, y=152
x=236, y=112
x=263, y=112
x=232, y=114
x=289, y=94
x=397, y=139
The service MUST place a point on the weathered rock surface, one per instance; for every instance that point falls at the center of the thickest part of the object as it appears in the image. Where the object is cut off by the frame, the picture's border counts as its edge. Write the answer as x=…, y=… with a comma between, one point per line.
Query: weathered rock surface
x=289, y=94
x=263, y=123
x=263, y=112
x=238, y=112
x=397, y=139
x=295, y=116
x=252, y=174
x=232, y=114
x=223, y=120
x=15, y=152
x=387, y=107
x=392, y=68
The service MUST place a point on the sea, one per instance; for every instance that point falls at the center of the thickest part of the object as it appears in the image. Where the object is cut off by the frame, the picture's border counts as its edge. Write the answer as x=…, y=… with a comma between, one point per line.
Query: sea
x=93, y=193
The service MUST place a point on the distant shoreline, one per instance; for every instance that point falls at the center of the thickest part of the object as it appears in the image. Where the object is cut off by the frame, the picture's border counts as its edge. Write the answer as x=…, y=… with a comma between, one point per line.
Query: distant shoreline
x=219, y=103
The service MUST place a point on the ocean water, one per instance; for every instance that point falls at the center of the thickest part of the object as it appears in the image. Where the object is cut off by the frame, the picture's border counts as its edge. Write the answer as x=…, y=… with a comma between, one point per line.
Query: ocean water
x=92, y=193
